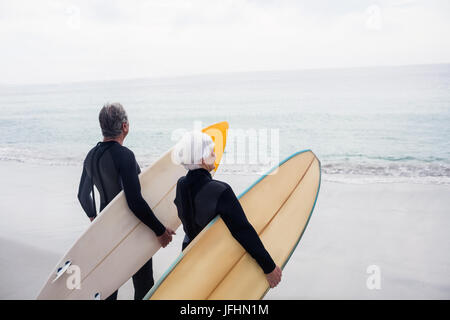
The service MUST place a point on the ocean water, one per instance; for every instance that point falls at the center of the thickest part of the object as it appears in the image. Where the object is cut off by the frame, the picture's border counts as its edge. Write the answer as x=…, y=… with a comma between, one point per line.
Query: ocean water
x=381, y=124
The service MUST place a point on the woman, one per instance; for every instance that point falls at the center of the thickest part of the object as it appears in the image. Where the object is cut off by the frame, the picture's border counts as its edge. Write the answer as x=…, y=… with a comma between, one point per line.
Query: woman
x=199, y=198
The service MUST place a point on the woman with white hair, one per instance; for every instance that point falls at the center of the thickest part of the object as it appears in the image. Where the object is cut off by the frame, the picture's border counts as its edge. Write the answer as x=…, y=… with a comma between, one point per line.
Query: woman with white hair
x=199, y=198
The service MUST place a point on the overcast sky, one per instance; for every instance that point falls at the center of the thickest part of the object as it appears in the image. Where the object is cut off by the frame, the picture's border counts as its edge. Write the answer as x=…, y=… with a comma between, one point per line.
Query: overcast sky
x=59, y=41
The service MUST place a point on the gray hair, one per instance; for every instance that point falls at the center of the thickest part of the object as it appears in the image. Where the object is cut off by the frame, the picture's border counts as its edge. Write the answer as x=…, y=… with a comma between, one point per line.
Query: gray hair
x=111, y=118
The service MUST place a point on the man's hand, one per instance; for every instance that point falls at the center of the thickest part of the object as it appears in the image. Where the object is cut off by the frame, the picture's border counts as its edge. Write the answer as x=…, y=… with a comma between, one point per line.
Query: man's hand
x=274, y=277
x=166, y=237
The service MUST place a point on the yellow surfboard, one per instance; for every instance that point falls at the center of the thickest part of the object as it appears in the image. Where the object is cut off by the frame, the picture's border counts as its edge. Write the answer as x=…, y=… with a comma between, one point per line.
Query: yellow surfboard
x=215, y=266
x=117, y=244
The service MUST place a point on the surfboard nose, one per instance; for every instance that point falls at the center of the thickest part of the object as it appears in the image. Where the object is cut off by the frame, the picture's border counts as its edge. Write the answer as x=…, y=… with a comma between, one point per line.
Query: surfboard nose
x=218, y=133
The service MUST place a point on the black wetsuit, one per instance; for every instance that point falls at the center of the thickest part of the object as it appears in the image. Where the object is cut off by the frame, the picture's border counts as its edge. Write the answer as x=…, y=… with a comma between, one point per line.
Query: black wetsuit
x=199, y=198
x=111, y=168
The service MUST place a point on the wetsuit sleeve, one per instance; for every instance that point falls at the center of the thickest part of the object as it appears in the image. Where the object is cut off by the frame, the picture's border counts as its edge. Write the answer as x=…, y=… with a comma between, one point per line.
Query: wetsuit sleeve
x=234, y=217
x=84, y=194
x=132, y=189
x=138, y=169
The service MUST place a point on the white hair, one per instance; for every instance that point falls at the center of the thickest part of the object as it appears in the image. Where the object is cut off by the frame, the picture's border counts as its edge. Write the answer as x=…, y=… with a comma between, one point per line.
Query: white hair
x=193, y=147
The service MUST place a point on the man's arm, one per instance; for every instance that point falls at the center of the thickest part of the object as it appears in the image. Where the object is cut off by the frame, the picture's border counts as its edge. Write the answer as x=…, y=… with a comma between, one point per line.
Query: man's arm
x=84, y=194
x=234, y=217
x=132, y=189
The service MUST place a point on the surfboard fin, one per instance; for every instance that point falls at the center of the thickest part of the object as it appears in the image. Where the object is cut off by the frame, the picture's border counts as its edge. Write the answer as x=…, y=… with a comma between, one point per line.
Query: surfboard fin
x=62, y=270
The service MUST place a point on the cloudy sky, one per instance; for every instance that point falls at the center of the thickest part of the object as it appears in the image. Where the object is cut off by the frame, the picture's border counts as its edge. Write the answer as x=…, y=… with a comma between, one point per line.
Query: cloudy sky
x=52, y=41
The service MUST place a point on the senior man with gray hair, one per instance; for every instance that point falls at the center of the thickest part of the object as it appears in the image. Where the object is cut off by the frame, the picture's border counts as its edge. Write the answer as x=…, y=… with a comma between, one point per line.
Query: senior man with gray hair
x=111, y=167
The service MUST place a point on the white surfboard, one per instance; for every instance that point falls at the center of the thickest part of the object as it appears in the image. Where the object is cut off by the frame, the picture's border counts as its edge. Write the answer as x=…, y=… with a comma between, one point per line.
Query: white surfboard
x=117, y=244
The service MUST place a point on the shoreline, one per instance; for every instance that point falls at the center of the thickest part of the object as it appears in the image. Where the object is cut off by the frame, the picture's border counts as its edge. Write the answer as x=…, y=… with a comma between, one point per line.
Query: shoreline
x=356, y=179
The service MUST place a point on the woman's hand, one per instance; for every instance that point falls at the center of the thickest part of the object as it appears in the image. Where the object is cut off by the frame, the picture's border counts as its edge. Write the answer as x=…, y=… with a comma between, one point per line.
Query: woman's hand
x=274, y=277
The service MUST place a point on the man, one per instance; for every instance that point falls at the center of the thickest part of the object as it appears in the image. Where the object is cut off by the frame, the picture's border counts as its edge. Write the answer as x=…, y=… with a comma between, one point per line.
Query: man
x=111, y=167
x=199, y=198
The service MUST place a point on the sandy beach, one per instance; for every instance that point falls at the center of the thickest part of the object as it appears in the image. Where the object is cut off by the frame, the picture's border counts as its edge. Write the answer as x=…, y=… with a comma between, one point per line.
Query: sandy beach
x=401, y=228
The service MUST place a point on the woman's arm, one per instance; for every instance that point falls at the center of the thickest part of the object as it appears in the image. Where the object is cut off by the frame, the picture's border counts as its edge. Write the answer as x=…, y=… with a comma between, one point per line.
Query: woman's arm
x=234, y=217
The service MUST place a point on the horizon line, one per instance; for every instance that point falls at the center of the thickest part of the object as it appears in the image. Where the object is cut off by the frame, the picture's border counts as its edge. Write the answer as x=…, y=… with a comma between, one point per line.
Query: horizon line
x=193, y=75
